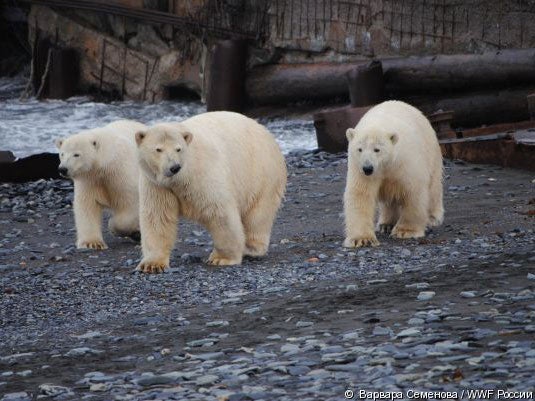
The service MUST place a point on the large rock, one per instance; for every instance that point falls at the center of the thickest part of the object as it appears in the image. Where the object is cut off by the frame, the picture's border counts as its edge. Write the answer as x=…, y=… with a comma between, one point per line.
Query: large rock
x=31, y=168
x=141, y=69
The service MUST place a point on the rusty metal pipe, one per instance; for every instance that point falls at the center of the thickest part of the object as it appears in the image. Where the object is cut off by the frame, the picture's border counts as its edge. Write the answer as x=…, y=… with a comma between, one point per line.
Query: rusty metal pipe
x=431, y=74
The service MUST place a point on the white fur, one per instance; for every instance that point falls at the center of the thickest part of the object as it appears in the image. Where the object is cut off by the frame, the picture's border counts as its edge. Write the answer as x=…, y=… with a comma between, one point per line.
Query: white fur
x=232, y=180
x=105, y=175
x=397, y=141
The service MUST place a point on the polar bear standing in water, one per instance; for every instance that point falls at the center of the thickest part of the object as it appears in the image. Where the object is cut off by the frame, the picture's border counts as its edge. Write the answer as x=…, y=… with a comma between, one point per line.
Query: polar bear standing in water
x=395, y=163
x=220, y=169
x=102, y=163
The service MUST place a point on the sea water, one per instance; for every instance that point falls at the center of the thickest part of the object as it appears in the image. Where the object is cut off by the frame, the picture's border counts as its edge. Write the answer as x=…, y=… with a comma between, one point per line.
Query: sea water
x=30, y=126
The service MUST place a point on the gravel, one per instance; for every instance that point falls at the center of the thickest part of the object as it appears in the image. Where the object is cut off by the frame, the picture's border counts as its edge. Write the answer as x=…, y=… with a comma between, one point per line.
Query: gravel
x=307, y=322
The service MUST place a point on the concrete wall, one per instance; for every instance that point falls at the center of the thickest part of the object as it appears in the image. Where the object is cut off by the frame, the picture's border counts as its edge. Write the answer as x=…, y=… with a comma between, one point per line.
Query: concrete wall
x=139, y=60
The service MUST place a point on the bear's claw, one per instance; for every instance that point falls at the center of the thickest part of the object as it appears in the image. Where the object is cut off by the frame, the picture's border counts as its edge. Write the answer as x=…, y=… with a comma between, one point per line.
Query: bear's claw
x=404, y=233
x=385, y=228
x=151, y=267
x=360, y=242
x=218, y=260
x=92, y=245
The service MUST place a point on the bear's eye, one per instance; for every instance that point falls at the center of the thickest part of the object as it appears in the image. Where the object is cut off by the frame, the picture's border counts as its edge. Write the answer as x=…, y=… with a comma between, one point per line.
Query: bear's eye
x=76, y=155
x=360, y=149
x=377, y=150
x=178, y=149
x=159, y=150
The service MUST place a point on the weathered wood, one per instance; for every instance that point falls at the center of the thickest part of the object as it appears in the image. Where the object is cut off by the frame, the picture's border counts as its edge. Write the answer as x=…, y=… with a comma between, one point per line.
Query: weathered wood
x=448, y=73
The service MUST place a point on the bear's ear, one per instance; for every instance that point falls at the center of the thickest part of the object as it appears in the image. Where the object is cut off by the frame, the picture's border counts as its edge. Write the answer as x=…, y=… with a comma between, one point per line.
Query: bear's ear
x=58, y=143
x=188, y=136
x=140, y=136
x=393, y=138
x=350, y=134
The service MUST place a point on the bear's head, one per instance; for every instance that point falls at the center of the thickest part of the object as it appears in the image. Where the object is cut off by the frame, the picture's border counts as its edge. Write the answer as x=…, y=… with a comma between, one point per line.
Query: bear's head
x=371, y=150
x=78, y=155
x=163, y=151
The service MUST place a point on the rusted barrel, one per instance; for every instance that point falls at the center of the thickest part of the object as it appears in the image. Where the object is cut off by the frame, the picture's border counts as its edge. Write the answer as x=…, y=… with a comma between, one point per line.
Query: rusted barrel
x=226, y=89
x=366, y=84
x=331, y=126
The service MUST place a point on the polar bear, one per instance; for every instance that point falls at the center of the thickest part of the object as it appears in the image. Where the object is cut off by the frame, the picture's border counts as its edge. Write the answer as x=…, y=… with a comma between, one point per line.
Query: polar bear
x=395, y=163
x=220, y=169
x=102, y=163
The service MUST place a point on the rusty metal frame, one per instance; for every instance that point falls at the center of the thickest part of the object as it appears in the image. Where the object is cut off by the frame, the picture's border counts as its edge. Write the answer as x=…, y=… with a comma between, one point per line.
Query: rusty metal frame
x=507, y=145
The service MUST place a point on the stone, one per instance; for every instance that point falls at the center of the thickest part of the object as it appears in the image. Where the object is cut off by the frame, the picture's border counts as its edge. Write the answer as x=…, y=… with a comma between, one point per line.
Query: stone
x=206, y=379
x=425, y=295
x=468, y=294
x=411, y=332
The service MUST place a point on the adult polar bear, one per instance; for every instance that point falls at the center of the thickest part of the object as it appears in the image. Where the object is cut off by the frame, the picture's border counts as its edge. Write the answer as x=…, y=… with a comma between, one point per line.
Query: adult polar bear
x=394, y=160
x=103, y=165
x=220, y=169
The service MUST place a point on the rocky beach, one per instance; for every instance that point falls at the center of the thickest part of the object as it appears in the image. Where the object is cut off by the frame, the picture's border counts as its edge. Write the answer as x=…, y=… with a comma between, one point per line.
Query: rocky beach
x=452, y=312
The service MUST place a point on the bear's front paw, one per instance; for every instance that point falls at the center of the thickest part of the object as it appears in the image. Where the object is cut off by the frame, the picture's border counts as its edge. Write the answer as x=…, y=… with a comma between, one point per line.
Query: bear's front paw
x=385, y=228
x=358, y=242
x=407, y=232
x=255, y=248
x=92, y=244
x=151, y=267
x=217, y=259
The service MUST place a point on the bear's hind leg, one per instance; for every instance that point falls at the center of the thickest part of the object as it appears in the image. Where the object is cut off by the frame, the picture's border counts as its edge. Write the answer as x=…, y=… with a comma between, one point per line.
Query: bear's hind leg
x=436, y=206
x=388, y=217
x=229, y=239
x=258, y=223
x=413, y=217
x=125, y=223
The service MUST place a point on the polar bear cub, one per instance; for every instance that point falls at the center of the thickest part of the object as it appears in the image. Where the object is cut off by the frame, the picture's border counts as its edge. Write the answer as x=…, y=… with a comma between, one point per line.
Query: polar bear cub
x=395, y=163
x=220, y=169
x=103, y=165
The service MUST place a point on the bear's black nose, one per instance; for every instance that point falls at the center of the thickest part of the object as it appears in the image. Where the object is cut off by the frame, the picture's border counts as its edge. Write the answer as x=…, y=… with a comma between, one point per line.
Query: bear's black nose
x=175, y=169
x=63, y=171
x=368, y=170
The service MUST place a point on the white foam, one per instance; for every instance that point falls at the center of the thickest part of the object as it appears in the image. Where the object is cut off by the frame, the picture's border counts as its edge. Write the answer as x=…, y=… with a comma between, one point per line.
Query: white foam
x=30, y=126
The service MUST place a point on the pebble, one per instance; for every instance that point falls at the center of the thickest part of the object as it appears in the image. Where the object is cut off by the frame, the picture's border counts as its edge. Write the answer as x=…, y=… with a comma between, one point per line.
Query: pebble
x=411, y=332
x=468, y=294
x=382, y=331
x=217, y=323
x=206, y=379
x=425, y=295
x=250, y=311
x=418, y=286
x=416, y=321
